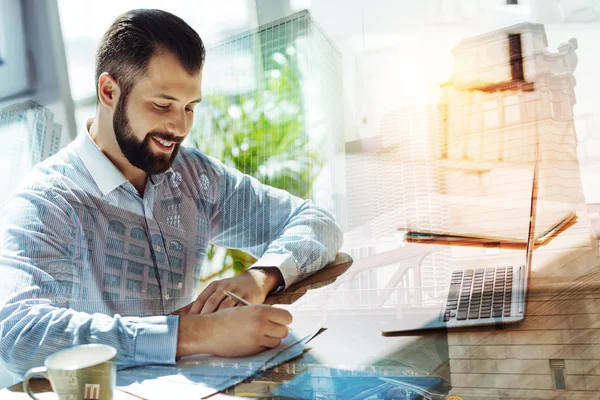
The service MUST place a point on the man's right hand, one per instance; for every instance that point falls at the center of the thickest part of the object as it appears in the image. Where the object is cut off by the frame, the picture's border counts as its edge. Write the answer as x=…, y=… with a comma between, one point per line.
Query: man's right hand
x=233, y=332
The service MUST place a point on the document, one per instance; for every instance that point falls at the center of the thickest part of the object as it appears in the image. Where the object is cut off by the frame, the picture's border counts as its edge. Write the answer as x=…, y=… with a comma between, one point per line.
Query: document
x=200, y=376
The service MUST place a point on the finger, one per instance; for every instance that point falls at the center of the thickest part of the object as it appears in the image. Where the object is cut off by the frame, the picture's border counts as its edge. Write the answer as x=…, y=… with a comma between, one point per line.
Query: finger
x=277, y=331
x=280, y=316
x=271, y=342
x=201, y=300
x=184, y=310
x=227, y=303
x=213, y=302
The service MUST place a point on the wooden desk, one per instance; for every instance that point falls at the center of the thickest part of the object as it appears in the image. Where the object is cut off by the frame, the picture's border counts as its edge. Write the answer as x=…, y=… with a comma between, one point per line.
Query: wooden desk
x=352, y=350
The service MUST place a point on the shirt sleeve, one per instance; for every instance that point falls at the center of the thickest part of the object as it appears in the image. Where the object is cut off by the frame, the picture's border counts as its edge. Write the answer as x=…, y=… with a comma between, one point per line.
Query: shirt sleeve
x=281, y=230
x=35, y=317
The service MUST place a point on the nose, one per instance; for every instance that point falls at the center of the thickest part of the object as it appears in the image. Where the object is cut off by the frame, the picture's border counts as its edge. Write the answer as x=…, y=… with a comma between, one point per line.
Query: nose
x=178, y=123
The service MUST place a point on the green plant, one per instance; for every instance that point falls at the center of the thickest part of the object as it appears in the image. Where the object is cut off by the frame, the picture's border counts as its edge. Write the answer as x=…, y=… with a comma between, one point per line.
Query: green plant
x=262, y=134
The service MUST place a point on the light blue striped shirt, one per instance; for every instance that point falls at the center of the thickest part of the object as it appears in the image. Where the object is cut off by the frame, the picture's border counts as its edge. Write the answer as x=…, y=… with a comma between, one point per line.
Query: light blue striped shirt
x=86, y=259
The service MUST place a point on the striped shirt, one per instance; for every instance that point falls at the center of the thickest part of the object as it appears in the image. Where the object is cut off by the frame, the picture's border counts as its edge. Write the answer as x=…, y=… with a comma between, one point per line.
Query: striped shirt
x=86, y=259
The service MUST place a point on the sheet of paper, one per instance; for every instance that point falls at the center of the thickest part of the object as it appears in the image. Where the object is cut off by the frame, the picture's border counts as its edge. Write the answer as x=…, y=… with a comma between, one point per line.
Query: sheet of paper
x=203, y=375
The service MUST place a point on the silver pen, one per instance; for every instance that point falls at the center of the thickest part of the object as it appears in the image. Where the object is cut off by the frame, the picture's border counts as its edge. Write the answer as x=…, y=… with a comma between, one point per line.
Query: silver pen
x=236, y=298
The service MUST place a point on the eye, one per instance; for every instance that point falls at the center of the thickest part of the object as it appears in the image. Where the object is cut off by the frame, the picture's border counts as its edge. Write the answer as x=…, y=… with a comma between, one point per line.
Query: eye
x=190, y=110
x=161, y=107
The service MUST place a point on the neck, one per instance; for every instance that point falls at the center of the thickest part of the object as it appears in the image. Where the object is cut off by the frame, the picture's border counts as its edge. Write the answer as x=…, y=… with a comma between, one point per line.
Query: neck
x=104, y=138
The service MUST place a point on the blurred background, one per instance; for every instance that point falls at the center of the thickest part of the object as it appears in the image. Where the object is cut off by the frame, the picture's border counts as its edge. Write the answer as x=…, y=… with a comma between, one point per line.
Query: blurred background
x=371, y=108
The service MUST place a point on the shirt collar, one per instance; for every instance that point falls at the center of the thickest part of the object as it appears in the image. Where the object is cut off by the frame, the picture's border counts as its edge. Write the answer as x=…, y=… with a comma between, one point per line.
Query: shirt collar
x=106, y=175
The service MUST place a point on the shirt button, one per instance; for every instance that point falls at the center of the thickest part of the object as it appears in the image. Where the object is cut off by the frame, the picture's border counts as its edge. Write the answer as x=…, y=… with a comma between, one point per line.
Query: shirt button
x=166, y=296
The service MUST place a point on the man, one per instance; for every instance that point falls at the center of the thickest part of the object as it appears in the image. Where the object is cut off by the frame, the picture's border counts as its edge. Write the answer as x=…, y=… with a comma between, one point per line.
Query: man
x=103, y=242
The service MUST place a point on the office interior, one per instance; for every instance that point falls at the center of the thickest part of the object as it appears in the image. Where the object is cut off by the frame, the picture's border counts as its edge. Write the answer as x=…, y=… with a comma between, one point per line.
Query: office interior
x=405, y=116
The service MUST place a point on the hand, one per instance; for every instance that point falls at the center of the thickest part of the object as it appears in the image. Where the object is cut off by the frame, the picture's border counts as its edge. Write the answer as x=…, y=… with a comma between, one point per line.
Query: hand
x=235, y=332
x=253, y=285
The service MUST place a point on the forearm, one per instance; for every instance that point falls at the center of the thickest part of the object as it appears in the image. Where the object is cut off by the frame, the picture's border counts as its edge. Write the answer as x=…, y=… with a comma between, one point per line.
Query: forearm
x=28, y=336
x=309, y=241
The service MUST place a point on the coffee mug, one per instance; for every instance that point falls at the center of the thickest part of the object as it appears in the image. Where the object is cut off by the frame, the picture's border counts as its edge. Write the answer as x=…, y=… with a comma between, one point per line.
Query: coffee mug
x=79, y=373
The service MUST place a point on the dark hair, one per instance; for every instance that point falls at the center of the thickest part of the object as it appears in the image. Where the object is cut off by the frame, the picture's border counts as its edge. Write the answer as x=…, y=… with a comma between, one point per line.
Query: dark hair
x=138, y=35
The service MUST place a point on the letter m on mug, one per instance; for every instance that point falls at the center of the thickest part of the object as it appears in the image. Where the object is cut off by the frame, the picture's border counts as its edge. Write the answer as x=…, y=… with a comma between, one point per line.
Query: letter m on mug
x=91, y=391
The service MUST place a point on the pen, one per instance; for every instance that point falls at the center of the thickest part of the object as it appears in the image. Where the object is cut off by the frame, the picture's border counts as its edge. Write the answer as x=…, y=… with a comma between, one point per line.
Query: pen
x=236, y=298
x=240, y=301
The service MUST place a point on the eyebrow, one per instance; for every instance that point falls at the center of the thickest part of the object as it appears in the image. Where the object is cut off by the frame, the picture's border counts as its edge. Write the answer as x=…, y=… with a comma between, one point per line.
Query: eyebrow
x=168, y=97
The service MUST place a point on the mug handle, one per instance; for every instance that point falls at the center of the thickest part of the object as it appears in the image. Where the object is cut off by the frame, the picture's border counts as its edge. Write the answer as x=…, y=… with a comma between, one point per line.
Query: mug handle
x=41, y=371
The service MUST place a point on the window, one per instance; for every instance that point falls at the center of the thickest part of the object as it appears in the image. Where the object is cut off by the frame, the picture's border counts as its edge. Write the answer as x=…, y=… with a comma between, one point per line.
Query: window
x=135, y=268
x=153, y=290
x=111, y=280
x=114, y=262
x=557, y=104
x=512, y=109
x=110, y=296
x=13, y=60
x=134, y=285
x=115, y=244
x=176, y=262
x=176, y=246
x=138, y=234
x=173, y=220
x=174, y=277
x=557, y=367
x=116, y=227
x=137, y=250
x=157, y=243
x=490, y=116
x=151, y=273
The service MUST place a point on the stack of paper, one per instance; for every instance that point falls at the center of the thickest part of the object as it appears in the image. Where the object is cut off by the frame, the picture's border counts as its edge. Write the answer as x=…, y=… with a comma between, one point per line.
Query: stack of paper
x=200, y=376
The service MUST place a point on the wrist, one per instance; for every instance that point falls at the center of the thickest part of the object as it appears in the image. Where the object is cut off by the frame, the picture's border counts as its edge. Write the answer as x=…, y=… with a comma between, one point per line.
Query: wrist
x=271, y=278
x=192, y=327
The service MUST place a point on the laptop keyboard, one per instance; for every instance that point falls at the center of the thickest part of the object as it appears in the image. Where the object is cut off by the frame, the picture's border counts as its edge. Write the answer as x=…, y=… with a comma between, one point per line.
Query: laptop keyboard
x=480, y=293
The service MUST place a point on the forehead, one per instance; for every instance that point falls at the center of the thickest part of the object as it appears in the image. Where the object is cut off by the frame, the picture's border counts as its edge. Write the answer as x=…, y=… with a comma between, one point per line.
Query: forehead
x=166, y=75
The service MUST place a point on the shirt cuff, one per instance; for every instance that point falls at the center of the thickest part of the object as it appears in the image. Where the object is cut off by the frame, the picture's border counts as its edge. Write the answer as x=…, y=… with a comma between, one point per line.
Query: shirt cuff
x=286, y=265
x=156, y=340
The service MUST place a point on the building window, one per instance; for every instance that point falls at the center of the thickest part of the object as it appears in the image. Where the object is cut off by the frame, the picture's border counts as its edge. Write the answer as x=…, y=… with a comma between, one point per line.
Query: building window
x=115, y=244
x=135, y=268
x=138, y=234
x=134, y=285
x=114, y=262
x=110, y=296
x=136, y=250
x=88, y=236
x=176, y=246
x=111, y=280
x=512, y=109
x=153, y=290
x=557, y=368
x=176, y=262
x=174, y=220
x=174, y=277
x=557, y=104
x=490, y=114
x=157, y=243
x=151, y=273
x=116, y=227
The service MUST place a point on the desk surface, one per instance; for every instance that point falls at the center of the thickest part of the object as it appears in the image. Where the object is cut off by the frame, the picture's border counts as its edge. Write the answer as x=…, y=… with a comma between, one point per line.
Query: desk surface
x=359, y=300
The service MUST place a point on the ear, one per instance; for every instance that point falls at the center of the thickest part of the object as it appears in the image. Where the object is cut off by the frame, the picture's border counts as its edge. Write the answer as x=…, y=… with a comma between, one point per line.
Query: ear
x=108, y=91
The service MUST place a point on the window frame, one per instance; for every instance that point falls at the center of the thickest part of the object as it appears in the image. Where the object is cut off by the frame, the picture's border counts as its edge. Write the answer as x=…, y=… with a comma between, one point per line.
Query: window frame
x=13, y=50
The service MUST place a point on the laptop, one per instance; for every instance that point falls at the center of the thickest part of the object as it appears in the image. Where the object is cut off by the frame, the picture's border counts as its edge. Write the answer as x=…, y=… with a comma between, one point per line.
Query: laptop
x=482, y=296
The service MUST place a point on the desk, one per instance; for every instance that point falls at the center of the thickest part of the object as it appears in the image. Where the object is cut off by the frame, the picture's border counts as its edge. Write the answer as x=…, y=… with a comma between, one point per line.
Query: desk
x=352, y=357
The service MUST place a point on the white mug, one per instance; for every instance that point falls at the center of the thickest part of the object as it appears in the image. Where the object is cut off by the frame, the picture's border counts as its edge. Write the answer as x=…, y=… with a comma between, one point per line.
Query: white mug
x=86, y=372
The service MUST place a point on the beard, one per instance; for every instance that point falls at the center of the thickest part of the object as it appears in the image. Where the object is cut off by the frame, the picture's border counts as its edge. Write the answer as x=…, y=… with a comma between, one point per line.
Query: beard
x=139, y=153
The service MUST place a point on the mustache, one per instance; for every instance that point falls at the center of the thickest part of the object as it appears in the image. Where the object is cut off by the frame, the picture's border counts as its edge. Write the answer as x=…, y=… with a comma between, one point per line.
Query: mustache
x=166, y=136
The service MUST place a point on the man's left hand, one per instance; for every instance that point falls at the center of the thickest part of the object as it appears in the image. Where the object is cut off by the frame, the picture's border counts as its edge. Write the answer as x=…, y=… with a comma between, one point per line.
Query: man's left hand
x=252, y=285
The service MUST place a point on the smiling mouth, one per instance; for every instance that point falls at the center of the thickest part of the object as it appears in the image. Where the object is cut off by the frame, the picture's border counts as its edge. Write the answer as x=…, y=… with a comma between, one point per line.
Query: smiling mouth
x=164, y=145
